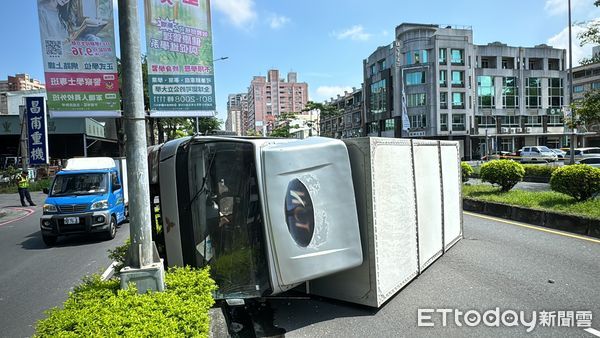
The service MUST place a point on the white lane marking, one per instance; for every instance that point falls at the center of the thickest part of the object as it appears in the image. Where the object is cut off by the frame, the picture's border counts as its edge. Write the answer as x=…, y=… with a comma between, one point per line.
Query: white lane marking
x=29, y=212
x=593, y=331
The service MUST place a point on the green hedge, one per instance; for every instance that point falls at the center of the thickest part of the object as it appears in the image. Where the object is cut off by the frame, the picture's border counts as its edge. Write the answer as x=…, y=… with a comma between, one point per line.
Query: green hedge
x=580, y=181
x=466, y=171
x=101, y=309
x=11, y=188
x=533, y=170
x=505, y=173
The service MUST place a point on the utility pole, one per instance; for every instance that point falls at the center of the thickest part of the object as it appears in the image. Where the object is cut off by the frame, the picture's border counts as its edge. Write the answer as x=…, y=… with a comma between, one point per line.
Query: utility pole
x=572, y=141
x=142, y=267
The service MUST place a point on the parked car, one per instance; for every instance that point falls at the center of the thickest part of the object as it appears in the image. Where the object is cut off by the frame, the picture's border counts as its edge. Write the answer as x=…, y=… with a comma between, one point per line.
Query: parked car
x=537, y=154
x=581, y=153
x=559, y=153
x=593, y=161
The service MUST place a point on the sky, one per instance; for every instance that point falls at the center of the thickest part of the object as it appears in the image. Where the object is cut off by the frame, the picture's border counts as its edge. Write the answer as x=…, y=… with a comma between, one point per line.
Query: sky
x=324, y=41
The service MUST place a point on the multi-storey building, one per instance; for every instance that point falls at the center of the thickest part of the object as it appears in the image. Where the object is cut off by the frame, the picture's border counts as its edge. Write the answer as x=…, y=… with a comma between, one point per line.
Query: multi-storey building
x=347, y=122
x=271, y=96
x=489, y=97
x=20, y=82
x=585, y=79
x=237, y=112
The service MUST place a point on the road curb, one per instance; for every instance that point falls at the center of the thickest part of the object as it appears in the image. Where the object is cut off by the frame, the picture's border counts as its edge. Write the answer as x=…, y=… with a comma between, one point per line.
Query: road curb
x=569, y=223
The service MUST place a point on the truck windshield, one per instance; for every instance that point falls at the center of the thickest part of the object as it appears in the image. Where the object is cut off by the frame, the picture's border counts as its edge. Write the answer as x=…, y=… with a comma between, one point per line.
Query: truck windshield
x=80, y=184
x=227, y=217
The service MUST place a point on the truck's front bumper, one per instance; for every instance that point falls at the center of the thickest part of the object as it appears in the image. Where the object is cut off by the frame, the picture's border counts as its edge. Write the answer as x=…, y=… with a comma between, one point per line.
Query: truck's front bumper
x=54, y=224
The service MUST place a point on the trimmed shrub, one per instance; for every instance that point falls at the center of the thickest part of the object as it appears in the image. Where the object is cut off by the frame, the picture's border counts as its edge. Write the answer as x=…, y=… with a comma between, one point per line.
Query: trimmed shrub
x=505, y=173
x=466, y=171
x=532, y=170
x=580, y=181
x=100, y=308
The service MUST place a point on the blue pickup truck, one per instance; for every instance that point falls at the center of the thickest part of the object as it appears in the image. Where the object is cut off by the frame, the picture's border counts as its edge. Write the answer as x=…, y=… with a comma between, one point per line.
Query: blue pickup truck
x=88, y=196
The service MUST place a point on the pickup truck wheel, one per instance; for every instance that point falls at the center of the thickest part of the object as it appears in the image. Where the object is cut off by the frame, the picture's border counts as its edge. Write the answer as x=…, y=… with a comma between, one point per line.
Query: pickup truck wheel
x=49, y=240
x=112, y=229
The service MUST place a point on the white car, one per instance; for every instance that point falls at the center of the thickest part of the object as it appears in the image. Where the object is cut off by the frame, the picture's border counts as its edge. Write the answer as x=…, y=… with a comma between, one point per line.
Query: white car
x=593, y=161
x=581, y=153
x=538, y=154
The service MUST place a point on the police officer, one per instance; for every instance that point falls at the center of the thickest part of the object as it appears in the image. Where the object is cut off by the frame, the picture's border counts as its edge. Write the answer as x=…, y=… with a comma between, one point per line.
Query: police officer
x=23, y=183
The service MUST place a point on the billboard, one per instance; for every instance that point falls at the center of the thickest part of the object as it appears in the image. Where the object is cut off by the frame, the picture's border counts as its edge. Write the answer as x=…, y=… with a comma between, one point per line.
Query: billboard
x=80, y=67
x=180, y=58
x=37, y=130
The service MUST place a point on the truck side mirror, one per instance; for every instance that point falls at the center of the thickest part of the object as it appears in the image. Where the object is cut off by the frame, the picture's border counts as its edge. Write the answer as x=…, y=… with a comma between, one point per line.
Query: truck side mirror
x=116, y=187
x=46, y=191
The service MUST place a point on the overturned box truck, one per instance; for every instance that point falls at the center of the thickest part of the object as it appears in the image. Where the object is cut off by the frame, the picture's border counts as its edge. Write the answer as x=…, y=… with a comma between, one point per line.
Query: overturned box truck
x=356, y=219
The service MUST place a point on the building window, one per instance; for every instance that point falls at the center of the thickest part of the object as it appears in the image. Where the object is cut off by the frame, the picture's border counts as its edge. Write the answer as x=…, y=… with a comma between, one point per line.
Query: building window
x=486, y=122
x=511, y=121
x=458, y=122
x=555, y=92
x=510, y=92
x=415, y=78
x=533, y=121
x=595, y=85
x=389, y=125
x=442, y=78
x=373, y=69
x=373, y=127
x=416, y=100
x=443, y=100
x=443, y=122
x=378, y=99
x=458, y=78
x=417, y=56
x=442, y=56
x=533, y=93
x=458, y=100
x=457, y=56
x=382, y=65
x=578, y=89
x=425, y=56
x=418, y=121
x=485, y=92
x=555, y=121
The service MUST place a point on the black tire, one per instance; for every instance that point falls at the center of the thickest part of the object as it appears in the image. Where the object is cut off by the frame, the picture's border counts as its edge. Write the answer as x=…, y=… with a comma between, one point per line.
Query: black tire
x=49, y=240
x=112, y=229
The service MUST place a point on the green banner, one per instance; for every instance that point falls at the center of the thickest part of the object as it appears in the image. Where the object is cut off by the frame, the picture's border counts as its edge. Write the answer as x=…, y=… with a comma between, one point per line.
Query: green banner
x=180, y=58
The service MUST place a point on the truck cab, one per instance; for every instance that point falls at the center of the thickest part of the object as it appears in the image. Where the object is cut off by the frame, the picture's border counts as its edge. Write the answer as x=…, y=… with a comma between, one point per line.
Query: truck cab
x=88, y=196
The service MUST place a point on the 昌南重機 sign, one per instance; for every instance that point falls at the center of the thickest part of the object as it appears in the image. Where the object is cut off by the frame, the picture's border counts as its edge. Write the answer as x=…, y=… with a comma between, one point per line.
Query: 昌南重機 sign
x=80, y=65
x=37, y=130
x=180, y=58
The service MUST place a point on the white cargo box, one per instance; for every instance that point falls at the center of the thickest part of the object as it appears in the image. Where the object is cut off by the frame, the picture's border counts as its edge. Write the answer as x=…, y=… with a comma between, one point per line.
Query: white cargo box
x=408, y=201
x=90, y=163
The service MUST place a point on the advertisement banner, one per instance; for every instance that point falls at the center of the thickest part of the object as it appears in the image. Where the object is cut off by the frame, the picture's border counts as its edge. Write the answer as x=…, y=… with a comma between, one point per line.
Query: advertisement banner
x=80, y=65
x=180, y=58
x=37, y=130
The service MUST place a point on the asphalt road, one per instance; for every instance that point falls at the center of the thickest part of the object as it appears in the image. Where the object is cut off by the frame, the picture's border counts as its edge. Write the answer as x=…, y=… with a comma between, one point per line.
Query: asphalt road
x=496, y=265
x=34, y=278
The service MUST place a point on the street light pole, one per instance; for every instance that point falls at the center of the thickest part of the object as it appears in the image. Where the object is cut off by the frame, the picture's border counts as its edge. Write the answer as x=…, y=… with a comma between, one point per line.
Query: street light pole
x=572, y=141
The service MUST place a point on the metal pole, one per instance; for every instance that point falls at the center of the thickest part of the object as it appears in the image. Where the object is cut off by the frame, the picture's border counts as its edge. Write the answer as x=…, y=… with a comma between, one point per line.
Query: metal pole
x=135, y=129
x=572, y=142
x=197, y=126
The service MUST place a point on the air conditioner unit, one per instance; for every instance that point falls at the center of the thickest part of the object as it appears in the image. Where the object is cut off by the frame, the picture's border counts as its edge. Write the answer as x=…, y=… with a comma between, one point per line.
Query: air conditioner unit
x=528, y=129
x=504, y=130
x=513, y=130
x=519, y=130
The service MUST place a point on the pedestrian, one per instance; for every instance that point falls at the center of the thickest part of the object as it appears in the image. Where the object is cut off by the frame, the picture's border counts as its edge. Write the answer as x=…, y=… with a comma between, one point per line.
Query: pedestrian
x=23, y=183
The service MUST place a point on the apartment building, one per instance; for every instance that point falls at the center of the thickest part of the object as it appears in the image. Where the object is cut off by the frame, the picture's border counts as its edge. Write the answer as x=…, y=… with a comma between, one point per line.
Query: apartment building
x=20, y=82
x=237, y=113
x=348, y=120
x=270, y=96
x=585, y=79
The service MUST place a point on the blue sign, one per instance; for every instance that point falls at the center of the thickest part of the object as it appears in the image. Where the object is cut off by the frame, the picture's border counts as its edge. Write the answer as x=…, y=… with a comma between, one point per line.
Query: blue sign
x=37, y=130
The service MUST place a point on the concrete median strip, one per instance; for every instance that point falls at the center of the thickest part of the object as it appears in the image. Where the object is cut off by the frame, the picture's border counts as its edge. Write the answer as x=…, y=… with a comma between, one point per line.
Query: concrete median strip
x=563, y=222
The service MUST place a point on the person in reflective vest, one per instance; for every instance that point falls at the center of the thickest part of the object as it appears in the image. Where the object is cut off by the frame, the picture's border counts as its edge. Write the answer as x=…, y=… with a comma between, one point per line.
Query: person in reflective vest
x=23, y=183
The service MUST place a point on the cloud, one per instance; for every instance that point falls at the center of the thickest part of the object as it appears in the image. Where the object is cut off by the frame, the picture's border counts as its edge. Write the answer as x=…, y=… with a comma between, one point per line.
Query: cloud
x=326, y=92
x=240, y=13
x=278, y=21
x=355, y=32
x=561, y=40
x=559, y=7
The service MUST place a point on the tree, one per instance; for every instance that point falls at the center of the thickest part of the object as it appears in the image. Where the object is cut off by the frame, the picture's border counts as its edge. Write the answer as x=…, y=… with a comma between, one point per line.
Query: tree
x=325, y=110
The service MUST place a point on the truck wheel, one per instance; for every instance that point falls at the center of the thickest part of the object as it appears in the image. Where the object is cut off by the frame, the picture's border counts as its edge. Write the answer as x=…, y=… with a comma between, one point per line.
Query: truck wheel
x=49, y=240
x=112, y=229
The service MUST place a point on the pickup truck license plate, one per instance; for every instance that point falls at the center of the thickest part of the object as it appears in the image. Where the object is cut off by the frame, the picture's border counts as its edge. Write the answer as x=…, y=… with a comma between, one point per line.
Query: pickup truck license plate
x=71, y=220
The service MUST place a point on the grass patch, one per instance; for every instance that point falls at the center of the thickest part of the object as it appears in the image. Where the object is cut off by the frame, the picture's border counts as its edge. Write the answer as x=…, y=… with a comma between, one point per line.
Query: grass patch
x=541, y=200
